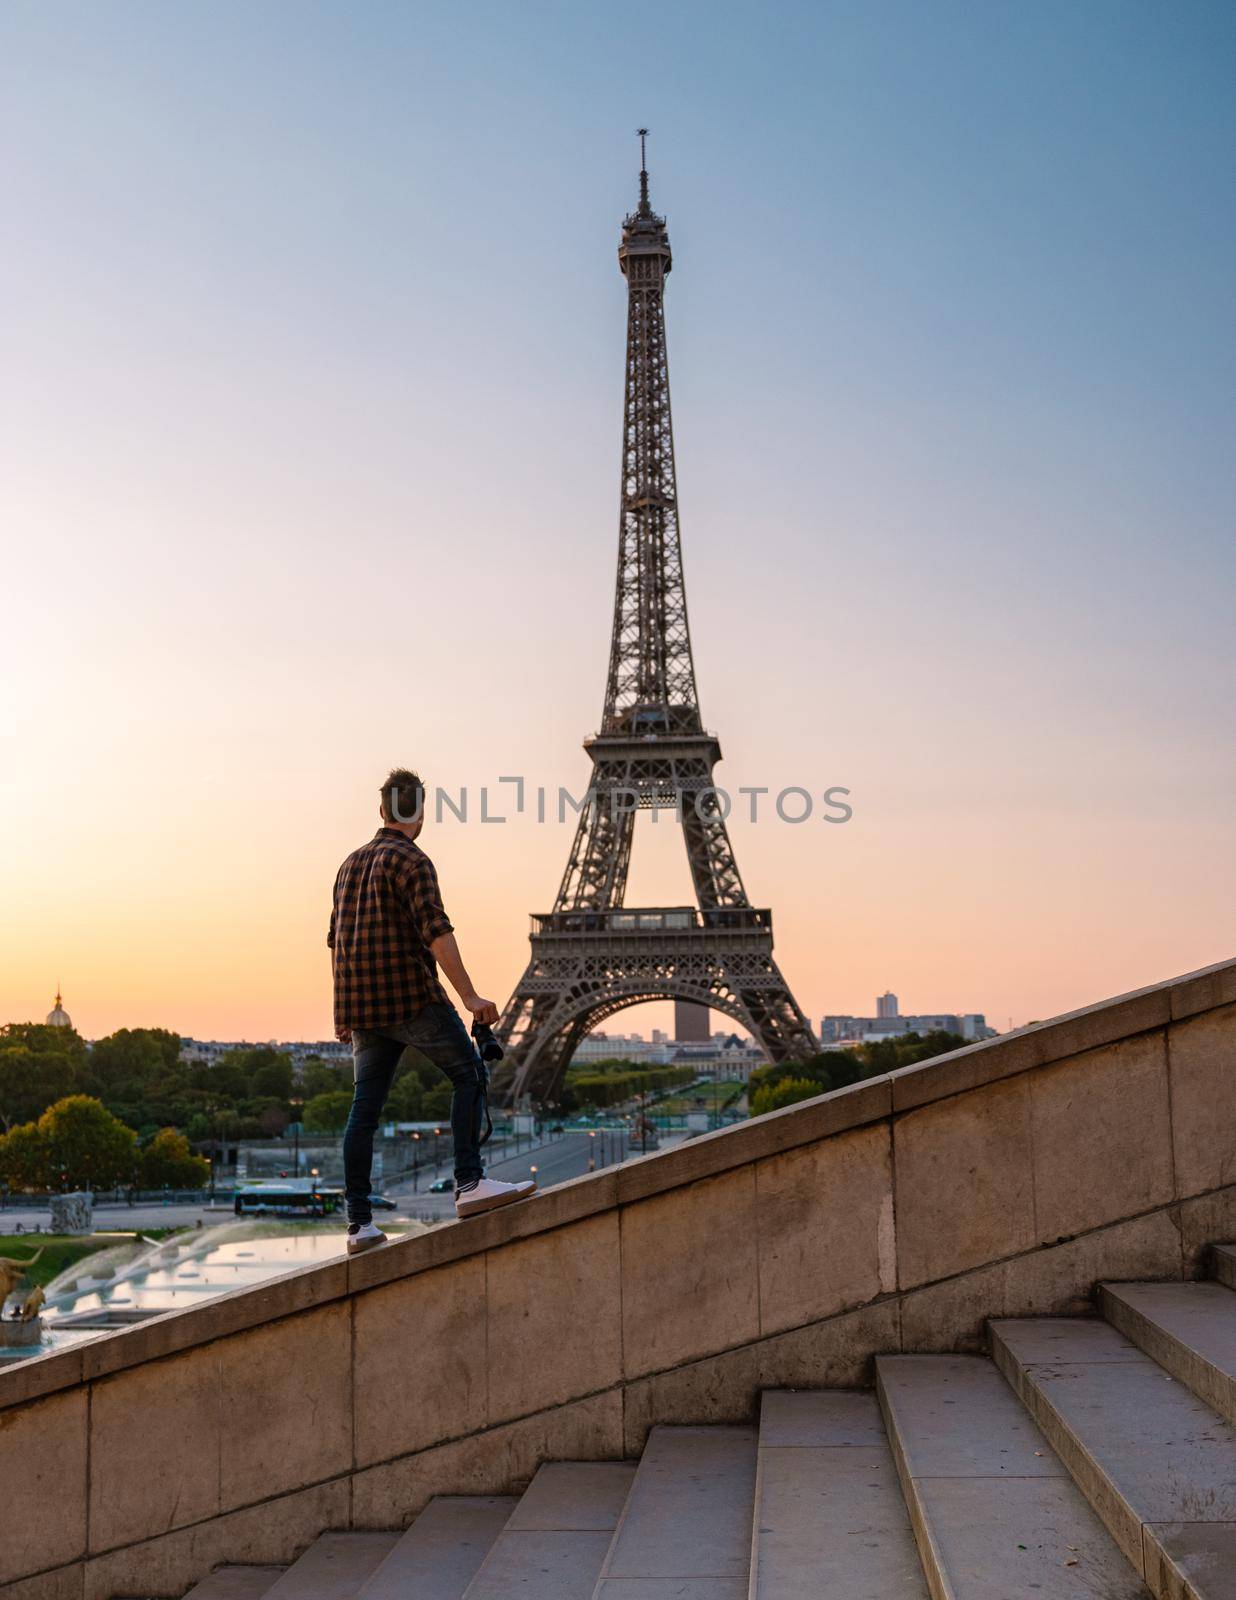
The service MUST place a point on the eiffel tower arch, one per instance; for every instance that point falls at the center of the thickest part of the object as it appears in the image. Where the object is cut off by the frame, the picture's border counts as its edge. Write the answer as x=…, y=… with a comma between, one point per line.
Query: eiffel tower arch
x=592, y=955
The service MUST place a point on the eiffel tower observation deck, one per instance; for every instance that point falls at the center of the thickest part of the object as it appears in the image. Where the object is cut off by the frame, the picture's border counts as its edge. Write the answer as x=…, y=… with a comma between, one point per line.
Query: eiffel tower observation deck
x=592, y=955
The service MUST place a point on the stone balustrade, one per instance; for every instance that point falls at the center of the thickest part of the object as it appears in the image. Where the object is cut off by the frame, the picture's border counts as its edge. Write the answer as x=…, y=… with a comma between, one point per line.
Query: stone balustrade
x=896, y=1215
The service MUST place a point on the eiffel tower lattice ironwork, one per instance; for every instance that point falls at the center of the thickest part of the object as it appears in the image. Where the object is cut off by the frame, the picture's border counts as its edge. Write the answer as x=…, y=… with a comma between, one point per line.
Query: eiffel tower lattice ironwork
x=592, y=955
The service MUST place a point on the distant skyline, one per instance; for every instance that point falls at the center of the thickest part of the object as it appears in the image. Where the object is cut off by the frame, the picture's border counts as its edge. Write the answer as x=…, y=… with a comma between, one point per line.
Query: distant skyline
x=309, y=432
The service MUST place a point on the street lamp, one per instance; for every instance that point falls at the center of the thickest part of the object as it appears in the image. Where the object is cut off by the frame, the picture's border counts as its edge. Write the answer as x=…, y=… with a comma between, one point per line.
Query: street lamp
x=416, y=1162
x=592, y=1150
x=296, y=1103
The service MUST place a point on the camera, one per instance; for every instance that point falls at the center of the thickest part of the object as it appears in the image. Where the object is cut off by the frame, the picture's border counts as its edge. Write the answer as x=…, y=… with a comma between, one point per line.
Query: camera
x=487, y=1046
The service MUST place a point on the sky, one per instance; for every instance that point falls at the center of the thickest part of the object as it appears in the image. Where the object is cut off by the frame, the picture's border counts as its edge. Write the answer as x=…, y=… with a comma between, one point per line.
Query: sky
x=310, y=409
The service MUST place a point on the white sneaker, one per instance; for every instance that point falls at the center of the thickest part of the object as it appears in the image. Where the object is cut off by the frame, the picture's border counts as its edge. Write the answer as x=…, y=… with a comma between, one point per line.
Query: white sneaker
x=363, y=1236
x=487, y=1194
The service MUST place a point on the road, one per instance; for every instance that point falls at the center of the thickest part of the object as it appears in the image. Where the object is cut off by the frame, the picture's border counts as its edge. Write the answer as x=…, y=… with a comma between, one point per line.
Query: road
x=555, y=1161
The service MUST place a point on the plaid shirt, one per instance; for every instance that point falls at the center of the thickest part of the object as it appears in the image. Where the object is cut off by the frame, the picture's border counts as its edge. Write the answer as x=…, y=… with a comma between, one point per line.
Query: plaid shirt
x=388, y=911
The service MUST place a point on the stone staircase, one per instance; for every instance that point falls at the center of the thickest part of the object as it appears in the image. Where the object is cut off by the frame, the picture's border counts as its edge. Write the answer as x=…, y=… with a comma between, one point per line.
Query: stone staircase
x=1087, y=1460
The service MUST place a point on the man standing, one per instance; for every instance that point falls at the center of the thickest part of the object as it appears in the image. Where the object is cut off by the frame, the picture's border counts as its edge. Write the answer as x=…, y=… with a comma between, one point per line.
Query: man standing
x=388, y=936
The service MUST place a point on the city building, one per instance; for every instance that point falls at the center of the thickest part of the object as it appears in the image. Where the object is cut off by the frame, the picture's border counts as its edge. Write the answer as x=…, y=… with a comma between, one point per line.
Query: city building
x=208, y=1051
x=839, y=1031
x=690, y=1021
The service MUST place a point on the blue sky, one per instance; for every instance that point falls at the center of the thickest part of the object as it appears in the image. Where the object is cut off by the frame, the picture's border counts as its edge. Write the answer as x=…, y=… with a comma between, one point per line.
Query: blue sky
x=311, y=401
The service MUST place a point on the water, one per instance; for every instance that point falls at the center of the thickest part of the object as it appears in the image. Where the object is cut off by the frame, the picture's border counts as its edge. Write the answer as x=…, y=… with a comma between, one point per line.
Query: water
x=172, y=1274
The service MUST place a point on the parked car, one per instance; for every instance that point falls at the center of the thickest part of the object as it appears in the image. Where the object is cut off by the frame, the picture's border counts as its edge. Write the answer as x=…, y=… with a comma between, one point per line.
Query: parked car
x=442, y=1186
x=379, y=1202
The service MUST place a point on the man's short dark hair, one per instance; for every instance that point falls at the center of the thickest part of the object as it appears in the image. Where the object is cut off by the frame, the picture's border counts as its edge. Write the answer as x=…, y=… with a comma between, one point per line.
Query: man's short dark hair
x=403, y=796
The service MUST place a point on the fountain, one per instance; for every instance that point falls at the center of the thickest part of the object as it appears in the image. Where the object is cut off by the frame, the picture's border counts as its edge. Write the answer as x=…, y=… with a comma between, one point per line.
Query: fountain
x=25, y=1327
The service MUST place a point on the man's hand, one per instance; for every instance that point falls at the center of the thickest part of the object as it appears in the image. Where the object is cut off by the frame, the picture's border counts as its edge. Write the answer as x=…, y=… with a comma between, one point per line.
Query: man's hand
x=482, y=1010
x=344, y=1035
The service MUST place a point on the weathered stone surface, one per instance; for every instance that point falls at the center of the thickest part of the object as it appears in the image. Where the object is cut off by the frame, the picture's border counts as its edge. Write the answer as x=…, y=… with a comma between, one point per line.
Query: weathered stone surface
x=501, y=1460
x=586, y=1196
x=334, y=1566
x=554, y=1544
x=993, y=1510
x=279, y=1431
x=718, y=1389
x=1185, y=1561
x=1202, y=1058
x=72, y=1213
x=1140, y=1446
x=1037, y=1045
x=952, y=1417
x=825, y=1473
x=718, y=1152
x=154, y=1448
x=819, y=1419
x=964, y=1182
x=813, y=1504
x=23, y=1381
x=1224, y=1264
x=1019, y=1536
x=64, y=1583
x=836, y=1354
x=1201, y=1221
x=1204, y=990
x=235, y=1583
x=275, y=1533
x=1188, y=1328
x=690, y=1507
x=689, y=1272
x=555, y=1317
x=547, y=1566
x=43, y=1504
x=1102, y=1137
x=419, y=1365
x=440, y=1554
x=215, y=1319
x=809, y=1267
x=574, y=1496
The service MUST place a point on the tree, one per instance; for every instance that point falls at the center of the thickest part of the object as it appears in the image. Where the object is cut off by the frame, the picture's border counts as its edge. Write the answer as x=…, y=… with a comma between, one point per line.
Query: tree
x=23, y=1157
x=167, y=1163
x=326, y=1113
x=274, y=1120
x=320, y=1077
x=32, y=1080
x=786, y=1092
x=406, y=1101
x=43, y=1039
x=75, y=1144
x=436, y=1102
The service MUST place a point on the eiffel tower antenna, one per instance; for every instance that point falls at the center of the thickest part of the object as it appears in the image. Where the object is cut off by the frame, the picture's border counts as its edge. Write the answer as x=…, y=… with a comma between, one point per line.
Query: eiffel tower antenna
x=591, y=956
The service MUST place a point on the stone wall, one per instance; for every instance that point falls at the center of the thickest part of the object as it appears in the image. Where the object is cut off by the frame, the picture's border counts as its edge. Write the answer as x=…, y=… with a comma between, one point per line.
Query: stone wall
x=899, y=1214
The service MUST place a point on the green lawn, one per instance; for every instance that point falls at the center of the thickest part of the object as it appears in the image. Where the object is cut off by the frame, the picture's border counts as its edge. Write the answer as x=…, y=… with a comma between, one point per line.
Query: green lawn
x=60, y=1250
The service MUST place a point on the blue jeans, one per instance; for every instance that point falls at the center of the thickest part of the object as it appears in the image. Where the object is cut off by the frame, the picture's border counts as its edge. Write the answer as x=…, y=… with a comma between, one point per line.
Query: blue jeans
x=436, y=1032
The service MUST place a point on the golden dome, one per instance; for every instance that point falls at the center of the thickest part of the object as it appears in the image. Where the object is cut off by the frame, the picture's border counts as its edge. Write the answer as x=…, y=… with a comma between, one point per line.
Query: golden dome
x=58, y=1017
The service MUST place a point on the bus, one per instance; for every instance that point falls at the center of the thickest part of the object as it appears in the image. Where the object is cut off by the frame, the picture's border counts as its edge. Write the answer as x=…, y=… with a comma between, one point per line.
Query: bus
x=287, y=1198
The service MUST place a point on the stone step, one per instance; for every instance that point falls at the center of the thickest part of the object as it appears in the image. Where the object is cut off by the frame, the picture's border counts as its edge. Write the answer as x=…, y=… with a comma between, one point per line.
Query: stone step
x=1156, y=1463
x=685, y=1532
x=829, y=1514
x=554, y=1543
x=236, y=1583
x=1223, y=1264
x=994, y=1512
x=1188, y=1328
x=441, y=1553
x=335, y=1567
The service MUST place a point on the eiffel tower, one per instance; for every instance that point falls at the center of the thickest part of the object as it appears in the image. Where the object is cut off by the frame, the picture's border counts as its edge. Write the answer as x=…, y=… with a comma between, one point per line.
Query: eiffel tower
x=592, y=955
